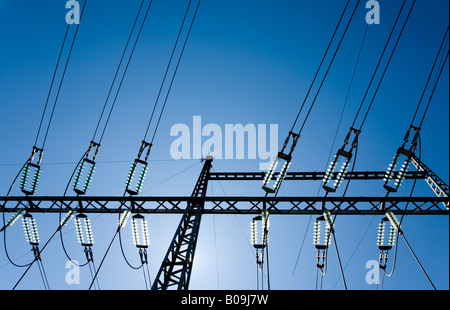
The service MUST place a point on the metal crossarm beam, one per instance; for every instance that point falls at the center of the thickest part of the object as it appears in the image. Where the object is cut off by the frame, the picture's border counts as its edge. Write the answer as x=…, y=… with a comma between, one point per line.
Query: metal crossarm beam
x=307, y=176
x=229, y=205
x=175, y=270
x=437, y=185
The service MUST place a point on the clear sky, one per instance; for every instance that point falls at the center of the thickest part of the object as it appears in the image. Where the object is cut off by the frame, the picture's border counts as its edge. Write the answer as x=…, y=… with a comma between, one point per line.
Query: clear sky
x=247, y=62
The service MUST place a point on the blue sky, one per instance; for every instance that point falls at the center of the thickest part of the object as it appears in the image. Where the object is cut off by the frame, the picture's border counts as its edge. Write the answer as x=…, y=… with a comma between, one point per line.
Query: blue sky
x=248, y=62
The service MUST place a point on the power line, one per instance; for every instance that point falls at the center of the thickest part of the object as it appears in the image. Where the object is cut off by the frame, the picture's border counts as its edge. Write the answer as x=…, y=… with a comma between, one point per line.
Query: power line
x=117, y=70
x=167, y=70
x=432, y=93
x=320, y=65
x=329, y=66
x=125, y=71
x=378, y=64
x=429, y=76
x=51, y=84
x=176, y=70
x=387, y=65
x=63, y=75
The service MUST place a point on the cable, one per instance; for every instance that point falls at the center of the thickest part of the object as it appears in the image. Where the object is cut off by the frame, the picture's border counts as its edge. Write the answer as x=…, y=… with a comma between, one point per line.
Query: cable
x=432, y=93
x=63, y=76
x=387, y=65
x=51, y=84
x=339, y=259
x=107, y=99
x=125, y=71
x=429, y=76
x=348, y=93
x=167, y=69
x=103, y=259
x=332, y=146
x=329, y=66
x=320, y=65
x=43, y=114
x=117, y=70
x=176, y=70
x=365, y=116
x=419, y=145
x=379, y=62
x=417, y=260
x=400, y=232
x=328, y=69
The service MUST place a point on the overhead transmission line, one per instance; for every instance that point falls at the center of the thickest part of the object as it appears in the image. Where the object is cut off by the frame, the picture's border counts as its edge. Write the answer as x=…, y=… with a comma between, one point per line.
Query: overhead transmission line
x=87, y=164
x=287, y=156
x=32, y=170
x=341, y=162
x=334, y=140
x=405, y=155
x=139, y=167
x=81, y=184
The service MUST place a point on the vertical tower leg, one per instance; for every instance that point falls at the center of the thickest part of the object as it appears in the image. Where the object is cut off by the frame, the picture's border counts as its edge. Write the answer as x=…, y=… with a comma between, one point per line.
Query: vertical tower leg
x=175, y=270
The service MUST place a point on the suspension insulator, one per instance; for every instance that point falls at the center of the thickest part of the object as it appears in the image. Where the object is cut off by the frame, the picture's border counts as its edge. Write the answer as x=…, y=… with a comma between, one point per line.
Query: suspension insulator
x=264, y=224
x=13, y=218
x=30, y=229
x=319, y=243
x=84, y=230
x=124, y=218
x=337, y=171
x=394, y=221
x=67, y=218
x=85, y=171
x=138, y=170
x=84, y=176
x=396, y=172
x=30, y=179
x=136, y=177
x=338, y=168
x=140, y=231
x=281, y=157
x=31, y=173
x=381, y=237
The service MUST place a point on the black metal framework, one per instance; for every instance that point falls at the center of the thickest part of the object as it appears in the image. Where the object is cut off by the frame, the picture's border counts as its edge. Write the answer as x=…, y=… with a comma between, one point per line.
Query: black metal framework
x=436, y=184
x=230, y=205
x=175, y=270
x=308, y=176
x=177, y=265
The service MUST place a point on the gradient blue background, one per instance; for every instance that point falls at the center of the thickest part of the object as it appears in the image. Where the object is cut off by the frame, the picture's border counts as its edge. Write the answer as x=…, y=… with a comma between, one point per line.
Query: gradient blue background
x=246, y=62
